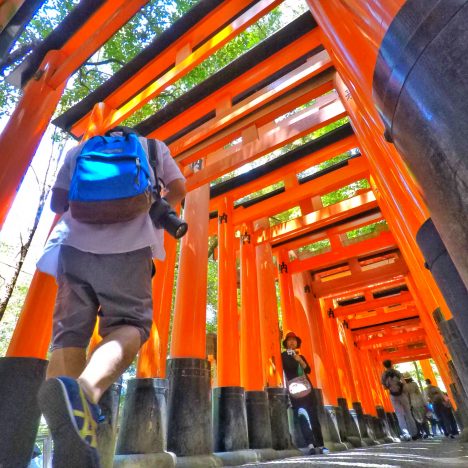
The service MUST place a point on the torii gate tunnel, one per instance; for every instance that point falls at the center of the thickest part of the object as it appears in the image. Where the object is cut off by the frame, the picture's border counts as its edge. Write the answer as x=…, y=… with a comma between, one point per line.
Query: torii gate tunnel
x=397, y=70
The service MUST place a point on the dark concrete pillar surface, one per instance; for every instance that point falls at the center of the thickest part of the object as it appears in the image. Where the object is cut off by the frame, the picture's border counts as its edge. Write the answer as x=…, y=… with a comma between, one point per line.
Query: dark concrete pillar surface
x=420, y=83
x=363, y=424
x=107, y=428
x=352, y=430
x=457, y=347
x=229, y=419
x=385, y=424
x=278, y=402
x=446, y=275
x=20, y=379
x=144, y=421
x=329, y=423
x=189, y=407
x=258, y=419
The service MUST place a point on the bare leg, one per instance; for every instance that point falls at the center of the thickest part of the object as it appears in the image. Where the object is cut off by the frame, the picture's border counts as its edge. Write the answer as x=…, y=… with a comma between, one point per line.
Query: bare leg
x=69, y=362
x=110, y=359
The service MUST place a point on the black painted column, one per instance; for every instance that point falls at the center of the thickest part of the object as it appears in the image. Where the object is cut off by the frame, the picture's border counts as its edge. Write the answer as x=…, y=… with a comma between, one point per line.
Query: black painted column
x=20, y=379
x=189, y=407
x=107, y=429
x=278, y=402
x=258, y=419
x=446, y=275
x=456, y=345
x=420, y=88
x=352, y=430
x=229, y=419
x=144, y=421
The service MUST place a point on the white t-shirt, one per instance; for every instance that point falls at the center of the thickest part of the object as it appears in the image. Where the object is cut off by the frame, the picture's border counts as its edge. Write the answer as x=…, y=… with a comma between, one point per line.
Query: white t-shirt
x=106, y=238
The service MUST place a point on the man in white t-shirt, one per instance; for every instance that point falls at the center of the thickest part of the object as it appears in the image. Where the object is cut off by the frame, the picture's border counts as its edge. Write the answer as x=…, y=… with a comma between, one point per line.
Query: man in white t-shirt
x=102, y=270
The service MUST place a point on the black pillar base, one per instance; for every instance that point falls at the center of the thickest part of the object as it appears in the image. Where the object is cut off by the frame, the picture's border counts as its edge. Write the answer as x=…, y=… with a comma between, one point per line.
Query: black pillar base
x=20, y=379
x=395, y=432
x=352, y=431
x=384, y=424
x=144, y=422
x=107, y=430
x=189, y=407
x=363, y=425
x=229, y=419
x=278, y=400
x=258, y=419
x=328, y=423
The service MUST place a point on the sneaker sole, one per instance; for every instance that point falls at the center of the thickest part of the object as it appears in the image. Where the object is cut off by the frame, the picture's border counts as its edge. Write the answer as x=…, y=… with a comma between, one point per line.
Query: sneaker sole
x=70, y=450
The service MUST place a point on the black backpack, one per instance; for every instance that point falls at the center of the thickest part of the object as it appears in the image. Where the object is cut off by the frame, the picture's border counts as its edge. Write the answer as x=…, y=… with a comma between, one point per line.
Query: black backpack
x=393, y=383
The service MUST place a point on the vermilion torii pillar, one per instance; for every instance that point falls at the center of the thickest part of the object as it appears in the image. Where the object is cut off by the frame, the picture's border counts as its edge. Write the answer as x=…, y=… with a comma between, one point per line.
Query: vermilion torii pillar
x=268, y=309
x=229, y=417
x=253, y=376
x=152, y=355
x=189, y=412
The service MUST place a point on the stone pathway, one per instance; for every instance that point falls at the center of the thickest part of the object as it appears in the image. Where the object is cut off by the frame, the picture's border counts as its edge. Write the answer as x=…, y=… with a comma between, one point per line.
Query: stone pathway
x=435, y=453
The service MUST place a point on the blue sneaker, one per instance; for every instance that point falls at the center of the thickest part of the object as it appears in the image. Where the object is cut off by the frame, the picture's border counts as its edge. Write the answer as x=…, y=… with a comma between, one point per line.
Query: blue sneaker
x=72, y=420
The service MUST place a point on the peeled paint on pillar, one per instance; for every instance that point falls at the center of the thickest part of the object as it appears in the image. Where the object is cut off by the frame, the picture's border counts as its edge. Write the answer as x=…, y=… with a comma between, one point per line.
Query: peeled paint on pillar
x=251, y=358
x=268, y=309
x=228, y=366
x=189, y=325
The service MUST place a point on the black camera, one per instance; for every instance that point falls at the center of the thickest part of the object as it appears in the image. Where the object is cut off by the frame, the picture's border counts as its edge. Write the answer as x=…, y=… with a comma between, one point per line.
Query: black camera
x=164, y=217
x=291, y=352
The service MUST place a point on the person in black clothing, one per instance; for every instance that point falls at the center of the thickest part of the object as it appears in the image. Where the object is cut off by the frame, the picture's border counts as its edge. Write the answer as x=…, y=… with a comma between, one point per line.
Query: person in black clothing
x=295, y=365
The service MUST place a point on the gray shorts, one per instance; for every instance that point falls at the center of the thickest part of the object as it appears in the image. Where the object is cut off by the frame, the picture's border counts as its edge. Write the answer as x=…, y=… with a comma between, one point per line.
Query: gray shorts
x=115, y=287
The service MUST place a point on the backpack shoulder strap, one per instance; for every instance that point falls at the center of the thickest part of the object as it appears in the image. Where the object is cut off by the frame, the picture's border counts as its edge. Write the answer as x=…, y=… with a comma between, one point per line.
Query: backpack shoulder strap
x=153, y=160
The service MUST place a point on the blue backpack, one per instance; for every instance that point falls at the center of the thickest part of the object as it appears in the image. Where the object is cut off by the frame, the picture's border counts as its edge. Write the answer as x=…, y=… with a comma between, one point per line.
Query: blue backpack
x=111, y=182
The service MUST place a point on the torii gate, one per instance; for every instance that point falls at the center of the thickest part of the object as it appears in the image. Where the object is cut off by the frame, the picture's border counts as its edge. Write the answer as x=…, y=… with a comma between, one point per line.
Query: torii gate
x=355, y=304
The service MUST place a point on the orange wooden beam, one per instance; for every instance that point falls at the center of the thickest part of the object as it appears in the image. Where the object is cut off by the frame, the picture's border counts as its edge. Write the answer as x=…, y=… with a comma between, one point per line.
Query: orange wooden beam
x=403, y=297
x=180, y=57
x=225, y=94
x=272, y=177
x=382, y=316
x=407, y=355
x=106, y=20
x=355, y=170
x=231, y=124
x=408, y=337
x=269, y=138
x=380, y=328
x=360, y=280
x=317, y=219
x=383, y=242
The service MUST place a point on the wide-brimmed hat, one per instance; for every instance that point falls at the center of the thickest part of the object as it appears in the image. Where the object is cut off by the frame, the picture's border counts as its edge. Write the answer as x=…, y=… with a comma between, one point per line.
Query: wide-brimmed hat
x=291, y=334
x=407, y=376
